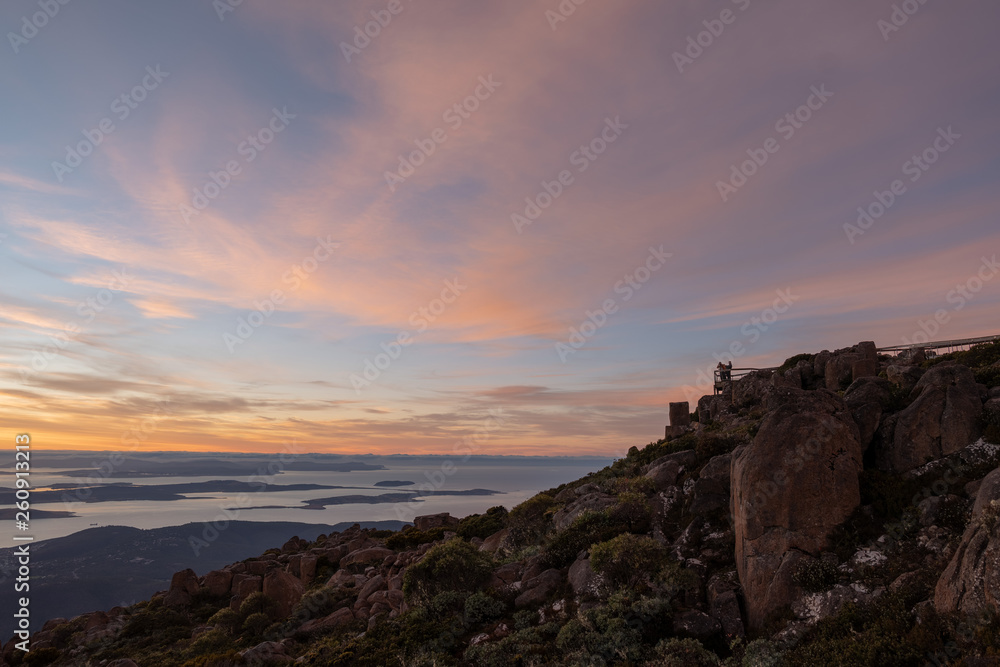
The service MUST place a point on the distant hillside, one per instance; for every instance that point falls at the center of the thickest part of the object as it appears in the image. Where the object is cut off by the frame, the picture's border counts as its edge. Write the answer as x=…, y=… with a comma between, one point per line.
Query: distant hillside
x=842, y=510
x=100, y=568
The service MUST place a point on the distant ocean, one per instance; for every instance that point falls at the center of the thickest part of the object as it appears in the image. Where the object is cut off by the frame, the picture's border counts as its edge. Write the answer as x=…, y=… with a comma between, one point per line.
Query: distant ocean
x=515, y=478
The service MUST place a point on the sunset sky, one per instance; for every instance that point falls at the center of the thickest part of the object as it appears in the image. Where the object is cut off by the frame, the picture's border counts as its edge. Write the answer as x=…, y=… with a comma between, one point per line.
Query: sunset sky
x=125, y=270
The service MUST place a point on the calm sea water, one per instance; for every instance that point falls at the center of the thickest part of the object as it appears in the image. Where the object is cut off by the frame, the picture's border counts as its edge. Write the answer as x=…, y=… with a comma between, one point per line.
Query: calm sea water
x=517, y=480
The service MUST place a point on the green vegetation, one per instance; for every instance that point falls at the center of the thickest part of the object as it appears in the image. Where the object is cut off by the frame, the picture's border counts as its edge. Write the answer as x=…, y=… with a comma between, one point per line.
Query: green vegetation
x=483, y=525
x=656, y=560
x=628, y=559
x=455, y=565
x=880, y=633
x=815, y=575
x=410, y=537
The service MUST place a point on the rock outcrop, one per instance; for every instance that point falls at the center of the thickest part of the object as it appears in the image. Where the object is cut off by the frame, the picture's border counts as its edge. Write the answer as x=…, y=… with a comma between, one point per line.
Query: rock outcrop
x=183, y=585
x=791, y=488
x=428, y=521
x=944, y=417
x=284, y=588
x=867, y=399
x=971, y=582
x=592, y=502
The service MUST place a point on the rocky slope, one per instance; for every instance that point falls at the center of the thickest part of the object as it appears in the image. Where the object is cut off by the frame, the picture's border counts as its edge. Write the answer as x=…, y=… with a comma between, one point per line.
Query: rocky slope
x=842, y=510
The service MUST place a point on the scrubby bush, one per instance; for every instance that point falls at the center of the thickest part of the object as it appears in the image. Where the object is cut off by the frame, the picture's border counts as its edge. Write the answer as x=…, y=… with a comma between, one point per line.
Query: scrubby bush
x=321, y=602
x=525, y=618
x=622, y=631
x=673, y=579
x=676, y=652
x=446, y=603
x=212, y=641
x=762, y=653
x=483, y=525
x=413, y=638
x=481, y=608
x=530, y=520
x=628, y=559
x=631, y=512
x=531, y=646
x=880, y=633
x=586, y=529
x=815, y=575
x=225, y=619
x=455, y=565
x=258, y=603
x=154, y=619
x=714, y=444
x=641, y=485
x=410, y=537
x=256, y=623
x=39, y=657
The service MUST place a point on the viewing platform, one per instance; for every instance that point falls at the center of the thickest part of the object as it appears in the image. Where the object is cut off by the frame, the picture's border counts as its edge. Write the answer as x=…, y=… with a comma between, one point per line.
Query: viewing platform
x=724, y=378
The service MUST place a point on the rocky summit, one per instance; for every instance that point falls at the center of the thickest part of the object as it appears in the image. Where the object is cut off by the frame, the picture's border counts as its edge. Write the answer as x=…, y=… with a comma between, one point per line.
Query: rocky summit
x=842, y=509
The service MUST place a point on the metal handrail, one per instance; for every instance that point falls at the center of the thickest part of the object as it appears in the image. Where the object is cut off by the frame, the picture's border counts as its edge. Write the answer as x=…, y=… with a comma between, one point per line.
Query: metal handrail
x=734, y=374
x=937, y=345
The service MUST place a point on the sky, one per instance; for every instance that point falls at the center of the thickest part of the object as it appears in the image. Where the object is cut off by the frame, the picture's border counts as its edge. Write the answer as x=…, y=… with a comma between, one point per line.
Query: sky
x=399, y=226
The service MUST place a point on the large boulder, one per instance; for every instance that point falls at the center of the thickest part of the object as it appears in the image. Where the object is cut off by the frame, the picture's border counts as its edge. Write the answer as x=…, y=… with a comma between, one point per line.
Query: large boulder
x=368, y=555
x=183, y=585
x=867, y=399
x=840, y=370
x=971, y=582
x=335, y=620
x=284, y=588
x=494, y=541
x=906, y=377
x=944, y=418
x=791, y=488
x=266, y=653
x=583, y=580
x=664, y=475
x=711, y=490
x=538, y=589
x=374, y=584
x=428, y=521
x=592, y=502
x=218, y=582
x=989, y=490
x=753, y=388
x=724, y=604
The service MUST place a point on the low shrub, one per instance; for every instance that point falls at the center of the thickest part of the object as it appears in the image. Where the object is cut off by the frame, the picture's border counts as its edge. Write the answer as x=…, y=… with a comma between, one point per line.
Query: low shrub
x=627, y=559
x=880, y=633
x=225, y=619
x=256, y=623
x=676, y=652
x=531, y=646
x=530, y=520
x=410, y=537
x=455, y=565
x=481, y=608
x=586, y=529
x=622, y=631
x=815, y=575
x=258, y=603
x=483, y=525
